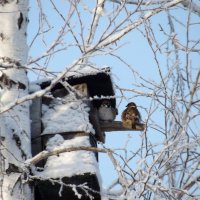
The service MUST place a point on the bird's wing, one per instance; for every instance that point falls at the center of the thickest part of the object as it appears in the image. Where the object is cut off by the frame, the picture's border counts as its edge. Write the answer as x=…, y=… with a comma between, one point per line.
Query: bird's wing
x=124, y=113
x=129, y=113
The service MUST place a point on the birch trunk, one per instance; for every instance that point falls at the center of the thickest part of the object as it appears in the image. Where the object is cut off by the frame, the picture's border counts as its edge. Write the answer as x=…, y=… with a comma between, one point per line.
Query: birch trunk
x=15, y=123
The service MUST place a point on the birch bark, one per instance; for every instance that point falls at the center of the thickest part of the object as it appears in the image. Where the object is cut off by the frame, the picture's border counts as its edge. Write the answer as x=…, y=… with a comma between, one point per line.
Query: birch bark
x=14, y=124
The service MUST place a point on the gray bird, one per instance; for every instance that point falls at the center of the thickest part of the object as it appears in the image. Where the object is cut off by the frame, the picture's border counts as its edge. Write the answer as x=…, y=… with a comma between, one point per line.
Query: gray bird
x=106, y=112
x=131, y=116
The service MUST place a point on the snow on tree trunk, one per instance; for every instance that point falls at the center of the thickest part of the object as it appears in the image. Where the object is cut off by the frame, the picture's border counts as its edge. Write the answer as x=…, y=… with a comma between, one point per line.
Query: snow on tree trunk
x=15, y=123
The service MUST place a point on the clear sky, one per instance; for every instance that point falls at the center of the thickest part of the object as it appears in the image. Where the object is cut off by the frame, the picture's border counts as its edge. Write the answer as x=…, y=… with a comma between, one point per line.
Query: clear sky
x=135, y=51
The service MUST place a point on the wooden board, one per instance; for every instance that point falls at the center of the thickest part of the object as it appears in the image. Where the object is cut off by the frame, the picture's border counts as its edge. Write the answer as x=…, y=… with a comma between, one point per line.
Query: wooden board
x=117, y=126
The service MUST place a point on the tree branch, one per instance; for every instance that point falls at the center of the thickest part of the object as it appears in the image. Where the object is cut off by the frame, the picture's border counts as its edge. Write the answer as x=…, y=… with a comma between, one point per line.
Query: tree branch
x=114, y=37
x=45, y=154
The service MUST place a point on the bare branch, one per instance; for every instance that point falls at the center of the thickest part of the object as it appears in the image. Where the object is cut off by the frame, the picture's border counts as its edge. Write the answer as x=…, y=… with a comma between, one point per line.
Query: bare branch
x=45, y=154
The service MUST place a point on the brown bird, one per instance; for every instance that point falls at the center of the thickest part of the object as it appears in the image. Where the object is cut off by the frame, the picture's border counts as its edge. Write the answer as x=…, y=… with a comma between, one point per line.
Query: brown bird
x=131, y=116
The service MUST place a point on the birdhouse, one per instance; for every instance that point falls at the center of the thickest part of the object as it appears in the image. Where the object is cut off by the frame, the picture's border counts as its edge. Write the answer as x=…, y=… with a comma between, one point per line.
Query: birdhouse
x=80, y=107
x=68, y=115
x=91, y=87
x=94, y=88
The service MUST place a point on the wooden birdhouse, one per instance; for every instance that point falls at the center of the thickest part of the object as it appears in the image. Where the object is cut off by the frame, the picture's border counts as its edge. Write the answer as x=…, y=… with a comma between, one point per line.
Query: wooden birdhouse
x=82, y=105
x=92, y=87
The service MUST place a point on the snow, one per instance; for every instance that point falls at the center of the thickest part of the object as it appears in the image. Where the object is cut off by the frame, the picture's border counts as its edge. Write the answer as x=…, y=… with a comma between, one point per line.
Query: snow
x=33, y=87
x=54, y=142
x=40, y=81
x=70, y=163
x=16, y=123
x=79, y=71
x=66, y=115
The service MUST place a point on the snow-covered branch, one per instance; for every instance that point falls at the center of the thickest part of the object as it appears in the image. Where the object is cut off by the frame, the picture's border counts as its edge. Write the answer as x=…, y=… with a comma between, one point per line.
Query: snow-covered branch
x=45, y=154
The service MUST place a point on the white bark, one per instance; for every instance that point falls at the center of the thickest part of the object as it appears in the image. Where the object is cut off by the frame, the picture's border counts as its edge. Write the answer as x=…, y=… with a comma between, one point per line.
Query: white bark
x=13, y=23
x=14, y=124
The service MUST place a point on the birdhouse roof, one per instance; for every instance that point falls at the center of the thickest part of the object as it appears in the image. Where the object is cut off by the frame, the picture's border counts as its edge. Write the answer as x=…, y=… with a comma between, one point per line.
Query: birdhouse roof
x=98, y=80
x=99, y=83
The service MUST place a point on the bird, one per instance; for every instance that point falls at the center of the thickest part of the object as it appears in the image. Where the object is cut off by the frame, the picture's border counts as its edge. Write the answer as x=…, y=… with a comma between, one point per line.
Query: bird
x=131, y=116
x=106, y=112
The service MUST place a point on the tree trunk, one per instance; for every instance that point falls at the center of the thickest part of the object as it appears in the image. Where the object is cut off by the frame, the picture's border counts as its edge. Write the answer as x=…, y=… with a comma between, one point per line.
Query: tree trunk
x=15, y=123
